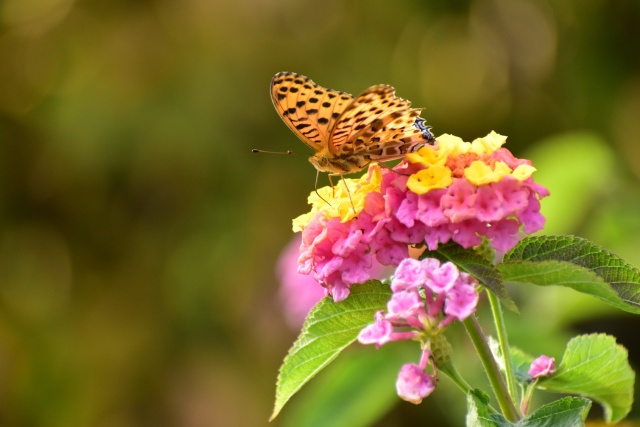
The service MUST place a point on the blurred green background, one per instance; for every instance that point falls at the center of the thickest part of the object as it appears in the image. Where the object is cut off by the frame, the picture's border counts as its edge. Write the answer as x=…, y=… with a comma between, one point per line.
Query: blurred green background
x=139, y=235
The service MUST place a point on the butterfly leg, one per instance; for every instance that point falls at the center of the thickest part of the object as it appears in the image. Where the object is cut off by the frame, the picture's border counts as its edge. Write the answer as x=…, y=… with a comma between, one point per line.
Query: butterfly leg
x=333, y=189
x=346, y=187
x=316, y=187
x=382, y=165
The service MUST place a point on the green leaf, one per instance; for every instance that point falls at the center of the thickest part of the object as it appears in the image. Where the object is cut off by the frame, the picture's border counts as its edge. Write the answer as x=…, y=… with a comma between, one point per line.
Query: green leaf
x=566, y=412
x=520, y=361
x=576, y=263
x=596, y=367
x=593, y=366
x=357, y=389
x=329, y=329
x=479, y=414
x=476, y=265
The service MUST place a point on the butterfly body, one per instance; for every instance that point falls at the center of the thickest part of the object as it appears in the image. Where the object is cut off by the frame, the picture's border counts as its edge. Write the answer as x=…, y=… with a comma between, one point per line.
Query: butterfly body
x=348, y=133
x=324, y=161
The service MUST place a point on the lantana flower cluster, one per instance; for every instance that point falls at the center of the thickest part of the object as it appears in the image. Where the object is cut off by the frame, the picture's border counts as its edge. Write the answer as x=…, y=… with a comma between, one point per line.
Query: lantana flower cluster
x=454, y=191
x=427, y=296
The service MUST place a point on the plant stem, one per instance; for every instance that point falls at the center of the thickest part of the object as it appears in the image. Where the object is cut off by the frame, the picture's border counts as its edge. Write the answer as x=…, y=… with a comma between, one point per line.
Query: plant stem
x=498, y=317
x=491, y=368
x=526, y=398
x=450, y=370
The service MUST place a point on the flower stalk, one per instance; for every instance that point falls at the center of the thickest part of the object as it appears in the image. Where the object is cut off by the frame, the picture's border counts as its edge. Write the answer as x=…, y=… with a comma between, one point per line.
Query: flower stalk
x=501, y=332
x=491, y=368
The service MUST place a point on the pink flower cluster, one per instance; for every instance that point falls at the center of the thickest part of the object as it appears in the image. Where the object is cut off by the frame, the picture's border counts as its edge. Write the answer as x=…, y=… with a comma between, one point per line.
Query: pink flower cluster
x=448, y=295
x=463, y=212
x=457, y=192
x=427, y=296
x=343, y=253
x=298, y=292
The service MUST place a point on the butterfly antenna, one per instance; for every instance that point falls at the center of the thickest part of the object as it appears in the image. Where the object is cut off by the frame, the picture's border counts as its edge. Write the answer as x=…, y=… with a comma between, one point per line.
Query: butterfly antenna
x=255, y=150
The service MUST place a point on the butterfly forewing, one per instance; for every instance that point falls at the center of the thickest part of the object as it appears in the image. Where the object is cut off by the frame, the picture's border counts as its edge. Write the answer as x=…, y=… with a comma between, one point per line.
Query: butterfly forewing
x=309, y=110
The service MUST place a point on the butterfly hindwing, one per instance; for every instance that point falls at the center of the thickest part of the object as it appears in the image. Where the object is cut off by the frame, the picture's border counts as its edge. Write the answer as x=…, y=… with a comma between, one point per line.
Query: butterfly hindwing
x=379, y=125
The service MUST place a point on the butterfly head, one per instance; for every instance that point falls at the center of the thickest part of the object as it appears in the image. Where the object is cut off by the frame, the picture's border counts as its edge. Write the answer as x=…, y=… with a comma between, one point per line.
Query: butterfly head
x=420, y=123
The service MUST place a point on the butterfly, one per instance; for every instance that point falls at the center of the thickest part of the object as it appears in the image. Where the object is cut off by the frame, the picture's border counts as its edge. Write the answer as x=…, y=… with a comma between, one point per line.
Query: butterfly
x=348, y=133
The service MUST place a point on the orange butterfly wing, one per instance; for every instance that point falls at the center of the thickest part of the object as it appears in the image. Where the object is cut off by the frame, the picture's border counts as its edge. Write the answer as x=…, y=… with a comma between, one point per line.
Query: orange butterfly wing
x=380, y=126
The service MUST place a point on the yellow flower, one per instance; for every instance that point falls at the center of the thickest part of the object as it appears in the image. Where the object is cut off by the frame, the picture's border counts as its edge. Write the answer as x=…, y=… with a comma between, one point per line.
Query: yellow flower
x=523, y=172
x=452, y=145
x=429, y=156
x=345, y=200
x=479, y=173
x=301, y=222
x=429, y=179
x=488, y=144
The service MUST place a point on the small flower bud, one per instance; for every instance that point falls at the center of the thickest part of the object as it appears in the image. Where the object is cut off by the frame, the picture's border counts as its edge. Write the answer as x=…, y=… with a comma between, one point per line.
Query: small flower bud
x=543, y=366
x=414, y=384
